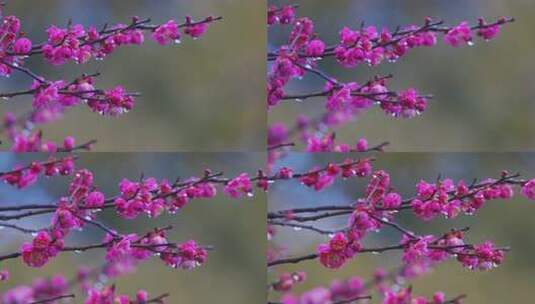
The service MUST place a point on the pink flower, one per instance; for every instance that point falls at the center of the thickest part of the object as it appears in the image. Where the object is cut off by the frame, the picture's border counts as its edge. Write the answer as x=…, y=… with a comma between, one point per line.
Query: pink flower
x=192, y=255
x=416, y=251
x=340, y=248
x=528, y=189
x=94, y=199
x=489, y=32
x=277, y=134
x=315, y=48
x=285, y=173
x=439, y=297
x=56, y=35
x=238, y=186
x=458, y=35
x=65, y=218
x=47, y=96
x=166, y=33
x=283, y=15
x=196, y=30
x=42, y=248
x=392, y=200
x=362, y=145
x=116, y=102
x=69, y=143
x=329, y=258
x=121, y=249
x=101, y=296
x=142, y=296
x=22, y=46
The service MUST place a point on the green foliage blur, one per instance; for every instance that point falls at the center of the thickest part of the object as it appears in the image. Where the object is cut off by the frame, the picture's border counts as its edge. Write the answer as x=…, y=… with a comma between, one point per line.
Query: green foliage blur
x=235, y=270
x=507, y=223
x=202, y=95
x=483, y=95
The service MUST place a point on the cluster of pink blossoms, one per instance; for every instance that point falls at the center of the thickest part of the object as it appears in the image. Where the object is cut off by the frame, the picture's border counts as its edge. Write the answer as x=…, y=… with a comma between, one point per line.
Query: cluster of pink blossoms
x=78, y=44
x=43, y=247
x=375, y=211
x=133, y=249
x=355, y=289
x=24, y=176
x=83, y=203
x=238, y=186
x=443, y=198
x=320, y=179
x=108, y=295
x=54, y=97
x=303, y=51
x=448, y=199
x=153, y=198
x=56, y=288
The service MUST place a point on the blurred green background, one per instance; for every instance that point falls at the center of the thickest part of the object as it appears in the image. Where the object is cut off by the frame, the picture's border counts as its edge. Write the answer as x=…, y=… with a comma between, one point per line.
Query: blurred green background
x=203, y=95
x=235, y=271
x=507, y=223
x=484, y=95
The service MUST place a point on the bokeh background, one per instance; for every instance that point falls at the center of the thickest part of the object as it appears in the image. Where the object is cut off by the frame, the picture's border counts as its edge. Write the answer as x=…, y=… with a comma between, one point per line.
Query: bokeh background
x=507, y=223
x=235, y=271
x=484, y=95
x=204, y=95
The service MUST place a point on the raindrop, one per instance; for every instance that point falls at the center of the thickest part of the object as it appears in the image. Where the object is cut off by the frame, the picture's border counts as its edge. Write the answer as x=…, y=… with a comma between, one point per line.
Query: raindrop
x=470, y=43
x=177, y=41
x=250, y=194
